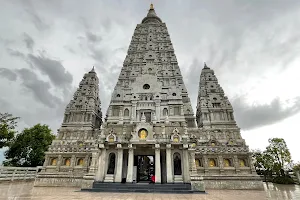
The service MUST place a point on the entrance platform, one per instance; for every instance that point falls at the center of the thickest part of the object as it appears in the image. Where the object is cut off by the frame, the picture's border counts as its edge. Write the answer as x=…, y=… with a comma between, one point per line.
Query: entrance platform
x=178, y=188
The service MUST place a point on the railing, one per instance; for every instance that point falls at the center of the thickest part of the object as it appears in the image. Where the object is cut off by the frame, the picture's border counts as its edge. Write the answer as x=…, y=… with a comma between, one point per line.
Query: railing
x=18, y=173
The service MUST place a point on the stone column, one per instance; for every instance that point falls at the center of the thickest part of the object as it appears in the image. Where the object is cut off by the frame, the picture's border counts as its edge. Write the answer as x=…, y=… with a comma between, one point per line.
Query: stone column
x=157, y=110
x=192, y=162
x=169, y=164
x=118, y=178
x=46, y=163
x=59, y=161
x=130, y=164
x=236, y=164
x=101, y=164
x=185, y=160
x=157, y=164
x=95, y=156
x=133, y=114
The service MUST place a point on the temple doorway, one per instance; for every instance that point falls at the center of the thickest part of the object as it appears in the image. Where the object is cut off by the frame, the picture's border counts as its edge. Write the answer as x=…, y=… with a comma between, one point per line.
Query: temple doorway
x=145, y=168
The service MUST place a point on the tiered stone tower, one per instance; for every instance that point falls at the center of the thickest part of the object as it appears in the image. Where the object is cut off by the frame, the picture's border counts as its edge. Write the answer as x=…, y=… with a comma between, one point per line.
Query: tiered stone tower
x=213, y=108
x=70, y=155
x=150, y=128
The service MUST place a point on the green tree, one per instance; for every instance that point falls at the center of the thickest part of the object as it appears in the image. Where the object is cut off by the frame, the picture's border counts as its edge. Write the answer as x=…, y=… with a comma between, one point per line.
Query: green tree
x=280, y=154
x=28, y=148
x=263, y=162
x=296, y=167
x=8, y=124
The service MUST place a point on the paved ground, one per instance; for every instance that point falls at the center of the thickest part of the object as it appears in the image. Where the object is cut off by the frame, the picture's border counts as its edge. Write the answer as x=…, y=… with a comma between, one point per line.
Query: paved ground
x=26, y=191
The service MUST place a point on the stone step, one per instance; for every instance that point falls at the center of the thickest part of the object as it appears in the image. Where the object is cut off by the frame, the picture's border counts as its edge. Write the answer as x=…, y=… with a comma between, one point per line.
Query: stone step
x=141, y=190
x=129, y=185
x=141, y=187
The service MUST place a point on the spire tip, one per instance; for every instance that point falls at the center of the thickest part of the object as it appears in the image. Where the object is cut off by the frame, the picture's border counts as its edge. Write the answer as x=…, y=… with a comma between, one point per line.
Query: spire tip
x=151, y=6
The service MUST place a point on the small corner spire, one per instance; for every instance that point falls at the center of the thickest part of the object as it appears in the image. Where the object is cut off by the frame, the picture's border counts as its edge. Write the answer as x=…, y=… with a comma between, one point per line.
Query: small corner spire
x=93, y=69
x=151, y=6
x=205, y=66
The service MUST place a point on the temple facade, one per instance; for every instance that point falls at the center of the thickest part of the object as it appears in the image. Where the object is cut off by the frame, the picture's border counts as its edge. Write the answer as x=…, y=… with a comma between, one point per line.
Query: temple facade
x=150, y=131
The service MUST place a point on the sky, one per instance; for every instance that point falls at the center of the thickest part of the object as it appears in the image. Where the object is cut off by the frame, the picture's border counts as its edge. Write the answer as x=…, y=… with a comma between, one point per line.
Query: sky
x=253, y=46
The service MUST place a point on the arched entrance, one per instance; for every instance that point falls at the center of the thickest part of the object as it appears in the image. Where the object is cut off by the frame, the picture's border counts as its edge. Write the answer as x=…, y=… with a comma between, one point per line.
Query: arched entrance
x=177, y=164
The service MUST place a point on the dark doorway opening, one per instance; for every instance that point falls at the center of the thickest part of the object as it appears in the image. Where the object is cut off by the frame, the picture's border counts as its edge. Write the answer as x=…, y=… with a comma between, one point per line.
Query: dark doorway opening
x=145, y=168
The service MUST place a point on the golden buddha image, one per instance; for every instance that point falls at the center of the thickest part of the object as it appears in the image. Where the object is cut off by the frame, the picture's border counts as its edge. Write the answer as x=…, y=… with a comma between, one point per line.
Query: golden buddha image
x=175, y=139
x=197, y=161
x=111, y=139
x=226, y=163
x=242, y=163
x=212, y=163
x=53, y=161
x=80, y=162
x=143, y=134
x=67, y=162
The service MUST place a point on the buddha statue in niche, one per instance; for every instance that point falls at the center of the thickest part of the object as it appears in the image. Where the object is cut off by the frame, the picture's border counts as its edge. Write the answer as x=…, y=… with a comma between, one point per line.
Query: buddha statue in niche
x=143, y=134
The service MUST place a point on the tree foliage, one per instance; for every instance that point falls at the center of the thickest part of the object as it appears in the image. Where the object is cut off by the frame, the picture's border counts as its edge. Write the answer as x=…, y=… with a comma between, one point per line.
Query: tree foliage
x=296, y=167
x=8, y=124
x=263, y=162
x=276, y=159
x=28, y=148
x=280, y=155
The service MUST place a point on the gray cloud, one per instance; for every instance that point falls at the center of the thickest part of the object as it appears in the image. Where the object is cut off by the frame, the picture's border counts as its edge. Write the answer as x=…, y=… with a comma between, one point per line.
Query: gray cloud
x=28, y=41
x=9, y=74
x=93, y=37
x=255, y=116
x=53, y=69
x=15, y=53
x=38, y=22
x=39, y=88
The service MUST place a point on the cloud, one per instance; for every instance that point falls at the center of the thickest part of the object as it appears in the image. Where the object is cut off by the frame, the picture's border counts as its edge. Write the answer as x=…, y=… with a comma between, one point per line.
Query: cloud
x=258, y=115
x=16, y=53
x=93, y=37
x=9, y=74
x=38, y=22
x=28, y=41
x=53, y=69
x=39, y=88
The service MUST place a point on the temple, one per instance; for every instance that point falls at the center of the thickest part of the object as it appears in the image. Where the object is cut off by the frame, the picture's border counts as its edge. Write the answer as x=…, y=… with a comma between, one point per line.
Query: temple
x=150, y=129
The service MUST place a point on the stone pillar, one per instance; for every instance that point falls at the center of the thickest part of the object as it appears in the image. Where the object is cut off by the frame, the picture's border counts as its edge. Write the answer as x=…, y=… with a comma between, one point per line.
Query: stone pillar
x=59, y=161
x=133, y=111
x=185, y=160
x=101, y=164
x=121, y=115
x=157, y=110
x=205, y=163
x=181, y=110
x=95, y=157
x=130, y=164
x=46, y=163
x=192, y=162
x=157, y=164
x=169, y=164
x=118, y=178
x=236, y=164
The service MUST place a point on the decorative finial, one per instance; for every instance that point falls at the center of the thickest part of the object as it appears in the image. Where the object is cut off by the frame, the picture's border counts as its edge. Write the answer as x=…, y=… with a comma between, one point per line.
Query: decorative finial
x=205, y=66
x=151, y=6
x=93, y=70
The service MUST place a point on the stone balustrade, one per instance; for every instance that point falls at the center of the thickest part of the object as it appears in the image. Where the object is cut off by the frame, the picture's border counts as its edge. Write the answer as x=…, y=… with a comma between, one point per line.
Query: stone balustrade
x=18, y=173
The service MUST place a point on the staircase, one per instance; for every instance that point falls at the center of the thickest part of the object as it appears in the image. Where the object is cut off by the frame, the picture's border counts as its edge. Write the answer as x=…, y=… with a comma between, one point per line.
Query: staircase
x=182, y=188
